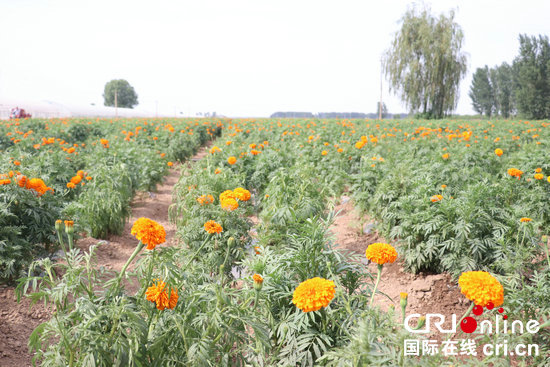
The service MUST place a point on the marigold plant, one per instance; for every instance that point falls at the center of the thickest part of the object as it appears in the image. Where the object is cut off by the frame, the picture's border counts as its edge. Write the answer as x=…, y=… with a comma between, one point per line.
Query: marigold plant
x=313, y=294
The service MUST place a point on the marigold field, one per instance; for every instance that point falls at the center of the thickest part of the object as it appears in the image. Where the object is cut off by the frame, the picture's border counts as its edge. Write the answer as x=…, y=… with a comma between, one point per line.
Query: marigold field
x=256, y=278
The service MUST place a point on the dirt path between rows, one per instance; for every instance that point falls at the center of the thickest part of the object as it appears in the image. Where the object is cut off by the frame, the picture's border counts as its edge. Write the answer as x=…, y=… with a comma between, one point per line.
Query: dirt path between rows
x=427, y=293
x=18, y=320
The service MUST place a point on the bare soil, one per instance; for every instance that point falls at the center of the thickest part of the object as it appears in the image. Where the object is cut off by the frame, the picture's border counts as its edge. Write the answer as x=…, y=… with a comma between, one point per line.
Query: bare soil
x=427, y=293
x=18, y=320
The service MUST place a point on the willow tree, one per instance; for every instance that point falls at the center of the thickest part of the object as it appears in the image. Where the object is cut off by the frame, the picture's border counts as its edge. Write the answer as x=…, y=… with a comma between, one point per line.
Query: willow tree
x=425, y=64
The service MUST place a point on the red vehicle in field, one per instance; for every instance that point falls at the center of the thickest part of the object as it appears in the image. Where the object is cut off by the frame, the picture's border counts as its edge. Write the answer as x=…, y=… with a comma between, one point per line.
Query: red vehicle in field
x=19, y=113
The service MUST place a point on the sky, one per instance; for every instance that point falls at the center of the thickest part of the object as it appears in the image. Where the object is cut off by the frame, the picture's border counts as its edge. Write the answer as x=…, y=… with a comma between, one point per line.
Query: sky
x=235, y=57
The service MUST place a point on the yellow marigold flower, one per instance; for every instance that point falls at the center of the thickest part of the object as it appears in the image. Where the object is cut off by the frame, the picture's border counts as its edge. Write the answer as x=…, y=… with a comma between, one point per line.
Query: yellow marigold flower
x=313, y=294
x=539, y=176
x=157, y=293
x=498, y=152
x=481, y=288
x=148, y=232
x=445, y=156
x=212, y=227
x=227, y=194
x=403, y=295
x=525, y=219
x=359, y=144
x=436, y=198
x=242, y=194
x=231, y=160
x=229, y=204
x=548, y=179
x=324, y=152
x=381, y=253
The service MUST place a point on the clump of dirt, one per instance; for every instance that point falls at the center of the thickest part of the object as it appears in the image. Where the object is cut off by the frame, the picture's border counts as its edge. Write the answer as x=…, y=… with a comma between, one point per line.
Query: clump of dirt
x=427, y=293
x=18, y=320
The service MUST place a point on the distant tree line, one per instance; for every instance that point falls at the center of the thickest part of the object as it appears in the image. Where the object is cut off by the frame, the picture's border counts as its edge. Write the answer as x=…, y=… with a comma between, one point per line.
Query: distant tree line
x=338, y=115
x=521, y=88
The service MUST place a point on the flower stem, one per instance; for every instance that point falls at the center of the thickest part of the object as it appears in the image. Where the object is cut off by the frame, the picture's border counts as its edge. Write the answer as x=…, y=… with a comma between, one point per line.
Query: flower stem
x=195, y=254
x=130, y=259
x=380, y=266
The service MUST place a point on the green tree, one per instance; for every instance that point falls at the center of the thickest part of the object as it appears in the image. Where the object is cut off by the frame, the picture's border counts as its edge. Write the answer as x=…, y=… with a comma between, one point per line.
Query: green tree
x=481, y=92
x=532, y=77
x=425, y=64
x=125, y=93
x=502, y=81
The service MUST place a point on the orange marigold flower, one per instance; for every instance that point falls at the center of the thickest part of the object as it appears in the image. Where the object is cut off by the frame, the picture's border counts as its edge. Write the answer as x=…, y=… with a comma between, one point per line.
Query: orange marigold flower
x=525, y=219
x=255, y=152
x=157, y=294
x=445, y=156
x=17, y=163
x=436, y=198
x=76, y=179
x=313, y=294
x=217, y=171
x=71, y=150
x=514, y=172
x=481, y=288
x=205, y=199
x=148, y=232
x=257, y=278
x=80, y=173
x=5, y=181
x=89, y=178
x=359, y=144
x=37, y=185
x=538, y=170
x=539, y=176
x=381, y=253
x=498, y=152
x=242, y=194
x=212, y=227
x=231, y=160
x=443, y=186
x=229, y=204
x=324, y=152
x=170, y=164
x=70, y=185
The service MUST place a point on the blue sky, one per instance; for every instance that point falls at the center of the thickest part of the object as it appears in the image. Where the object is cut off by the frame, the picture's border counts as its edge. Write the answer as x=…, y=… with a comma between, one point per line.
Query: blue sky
x=236, y=57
